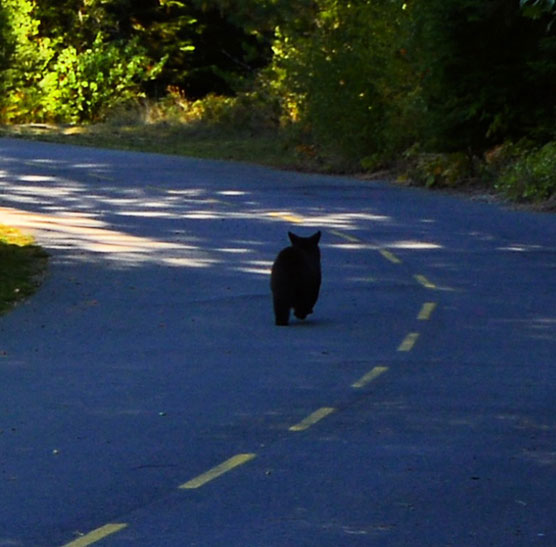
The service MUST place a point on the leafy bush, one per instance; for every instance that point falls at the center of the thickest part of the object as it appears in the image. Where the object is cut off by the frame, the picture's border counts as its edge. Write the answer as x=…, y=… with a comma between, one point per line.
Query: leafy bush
x=488, y=73
x=252, y=111
x=346, y=79
x=437, y=169
x=532, y=177
x=45, y=80
x=23, y=59
x=86, y=85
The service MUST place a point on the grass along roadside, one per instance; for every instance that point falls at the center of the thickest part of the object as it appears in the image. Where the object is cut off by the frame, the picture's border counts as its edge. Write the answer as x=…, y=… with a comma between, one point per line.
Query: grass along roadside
x=507, y=173
x=22, y=266
x=268, y=147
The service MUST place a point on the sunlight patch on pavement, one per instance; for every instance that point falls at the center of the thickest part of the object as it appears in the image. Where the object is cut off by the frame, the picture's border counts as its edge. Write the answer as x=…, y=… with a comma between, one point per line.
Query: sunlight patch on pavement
x=38, y=178
x=330, y=221
x=391, y=257
x=416, y=245
x=258, y=267
x=347, y=220
x=83, y=232
x=425, y=282
x=201, y=215
x=189, y=262
x=347, y=237
x=232, y=193
x=234, y=250
x=148, y=214
x=521, y=248
x=287, y=216
x=354, y=246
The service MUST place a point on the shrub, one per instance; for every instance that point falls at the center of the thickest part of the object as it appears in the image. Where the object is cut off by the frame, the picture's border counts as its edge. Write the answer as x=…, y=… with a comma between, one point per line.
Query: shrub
x=532, y=177
x=252, y=111
x=438, y=170
x=86, y=85
x=23, y=59
x=488, y=73
x=346, y=78
x=42, y=79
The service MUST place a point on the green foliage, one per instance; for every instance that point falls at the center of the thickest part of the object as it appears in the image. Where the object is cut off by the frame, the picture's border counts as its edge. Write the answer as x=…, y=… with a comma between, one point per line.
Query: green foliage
x=489, y=74
x=74, y=61
x=531, y=177
x=252, y=112
x=211, y=46
x=344, y=79
x=77, y=22
x=22, y=264
x=86, y=85
x=23, y=56
x=438, y=170
x=46, y=80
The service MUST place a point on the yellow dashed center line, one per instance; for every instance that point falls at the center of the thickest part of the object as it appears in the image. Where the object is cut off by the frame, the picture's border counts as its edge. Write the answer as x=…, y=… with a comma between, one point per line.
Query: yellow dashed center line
x=240, y=459
x=425, y=282
x=369, y=377
x=426, y=311
x=96, y=535
x=217, y=471
x=290, y=217
x=347, y=237
x=391, y=257
x=388, y=255
x=408, y=342
x=312, y=419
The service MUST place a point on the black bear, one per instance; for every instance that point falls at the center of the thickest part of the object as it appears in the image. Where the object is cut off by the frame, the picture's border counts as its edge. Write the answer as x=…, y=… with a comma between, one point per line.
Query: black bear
x=295, y=278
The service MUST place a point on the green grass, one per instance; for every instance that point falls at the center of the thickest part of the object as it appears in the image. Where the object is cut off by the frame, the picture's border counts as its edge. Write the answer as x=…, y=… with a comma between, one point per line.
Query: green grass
x=22, y=266
x=270, y=147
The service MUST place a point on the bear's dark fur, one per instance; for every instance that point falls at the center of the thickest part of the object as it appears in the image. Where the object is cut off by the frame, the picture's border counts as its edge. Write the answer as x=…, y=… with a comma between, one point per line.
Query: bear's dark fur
x=296, y=277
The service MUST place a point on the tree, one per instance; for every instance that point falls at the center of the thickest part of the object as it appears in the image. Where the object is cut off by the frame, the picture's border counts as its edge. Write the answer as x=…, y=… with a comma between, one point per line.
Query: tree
x=49, y=77
x=347, y=77
x=489, y=74
x=23, y=58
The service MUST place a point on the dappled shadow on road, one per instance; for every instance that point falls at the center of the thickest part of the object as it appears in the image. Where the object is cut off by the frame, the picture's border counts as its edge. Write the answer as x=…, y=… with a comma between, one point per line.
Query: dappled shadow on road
x=128, y=210
x=77, y=234
x=160, y=308
x=145, y=213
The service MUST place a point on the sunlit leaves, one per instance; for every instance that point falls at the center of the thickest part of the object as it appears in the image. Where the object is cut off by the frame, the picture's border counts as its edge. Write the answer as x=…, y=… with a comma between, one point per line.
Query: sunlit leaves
x=346, y=73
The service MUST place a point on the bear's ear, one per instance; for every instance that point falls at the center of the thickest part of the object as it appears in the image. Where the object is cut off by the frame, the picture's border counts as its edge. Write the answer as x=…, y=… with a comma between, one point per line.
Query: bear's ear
x=315, y=238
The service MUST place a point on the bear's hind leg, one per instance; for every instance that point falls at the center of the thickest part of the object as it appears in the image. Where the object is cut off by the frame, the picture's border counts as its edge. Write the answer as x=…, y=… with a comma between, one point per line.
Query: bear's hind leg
x=281, y=312
x=302, y=313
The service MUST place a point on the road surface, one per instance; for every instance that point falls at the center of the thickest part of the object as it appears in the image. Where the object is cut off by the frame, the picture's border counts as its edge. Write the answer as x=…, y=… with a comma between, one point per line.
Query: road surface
x=147, y=398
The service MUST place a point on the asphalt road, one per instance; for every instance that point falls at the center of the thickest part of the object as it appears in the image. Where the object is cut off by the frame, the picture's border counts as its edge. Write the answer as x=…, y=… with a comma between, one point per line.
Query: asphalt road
x=148, y=399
